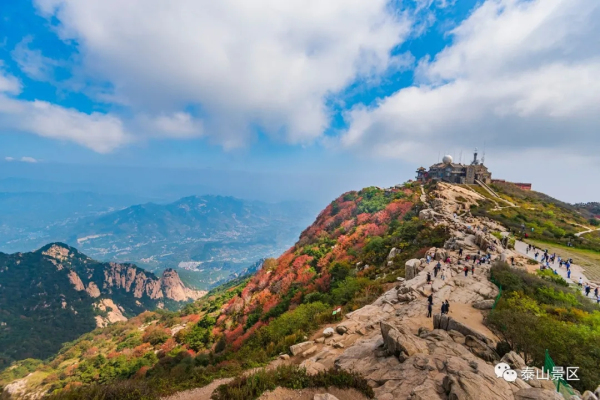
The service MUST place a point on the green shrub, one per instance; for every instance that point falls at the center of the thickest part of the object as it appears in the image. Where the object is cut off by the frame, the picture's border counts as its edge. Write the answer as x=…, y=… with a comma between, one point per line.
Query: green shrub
x=289, y=376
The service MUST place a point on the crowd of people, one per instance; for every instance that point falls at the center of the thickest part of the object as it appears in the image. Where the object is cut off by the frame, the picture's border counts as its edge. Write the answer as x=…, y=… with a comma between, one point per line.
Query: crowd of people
x=468, y=263
x=547, y=259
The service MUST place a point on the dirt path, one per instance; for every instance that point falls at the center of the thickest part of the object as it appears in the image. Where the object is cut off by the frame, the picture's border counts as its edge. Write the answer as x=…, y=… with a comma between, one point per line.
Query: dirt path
x=202, y=393
x=576, y=270
x=309, y=394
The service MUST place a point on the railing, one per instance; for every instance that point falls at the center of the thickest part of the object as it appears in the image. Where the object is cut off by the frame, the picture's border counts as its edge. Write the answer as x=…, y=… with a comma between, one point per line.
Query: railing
x=561, y=385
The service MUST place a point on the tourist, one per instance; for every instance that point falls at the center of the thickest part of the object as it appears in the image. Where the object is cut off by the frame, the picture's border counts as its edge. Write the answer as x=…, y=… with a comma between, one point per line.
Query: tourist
x=580, y=284
x=429, y=309
x=587, y=290
x=447, y=307
x=428, y=277
x=467, y=269
x=460, y=252
x=473, y=270
x=443, y=308
x=444, y=274
x=430, y=299
x=537, y=255
x=599, y=299
x=568, y=274
x=435, y=271
x=596, y=292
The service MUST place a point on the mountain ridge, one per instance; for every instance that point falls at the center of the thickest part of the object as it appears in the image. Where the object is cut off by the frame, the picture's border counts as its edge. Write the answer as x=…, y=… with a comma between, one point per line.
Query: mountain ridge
x=60, y=284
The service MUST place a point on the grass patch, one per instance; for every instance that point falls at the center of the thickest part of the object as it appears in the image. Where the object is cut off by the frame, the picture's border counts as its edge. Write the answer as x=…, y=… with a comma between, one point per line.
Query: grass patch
x=292, y=377
x=120, y=390
x=588, y=259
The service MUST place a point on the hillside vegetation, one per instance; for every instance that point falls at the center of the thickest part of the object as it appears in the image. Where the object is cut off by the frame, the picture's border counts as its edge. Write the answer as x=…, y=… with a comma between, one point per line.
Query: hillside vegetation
x=545, y=218
x=55, y=294
x=339, y=261
x=539, y=313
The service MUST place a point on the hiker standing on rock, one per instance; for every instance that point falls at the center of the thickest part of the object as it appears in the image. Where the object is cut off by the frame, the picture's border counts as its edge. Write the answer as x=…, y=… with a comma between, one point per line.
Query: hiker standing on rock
x=429, y=309
x=472, y=270
x=460, y=251
x=580, y=284
x=568, y=274
x=466, y=270
x=444, y=274
x=429, y=277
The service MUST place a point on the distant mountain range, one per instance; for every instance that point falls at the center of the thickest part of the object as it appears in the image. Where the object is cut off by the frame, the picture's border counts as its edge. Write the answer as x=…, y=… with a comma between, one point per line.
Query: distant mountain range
x=207, y=237
x=54, y=294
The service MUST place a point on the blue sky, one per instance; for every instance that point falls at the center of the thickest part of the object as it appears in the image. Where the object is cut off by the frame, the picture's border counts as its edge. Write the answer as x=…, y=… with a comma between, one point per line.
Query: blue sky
x=327, y=97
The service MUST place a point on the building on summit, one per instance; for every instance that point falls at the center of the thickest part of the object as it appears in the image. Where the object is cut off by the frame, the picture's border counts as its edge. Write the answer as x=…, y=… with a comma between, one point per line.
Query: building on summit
x=448, y=171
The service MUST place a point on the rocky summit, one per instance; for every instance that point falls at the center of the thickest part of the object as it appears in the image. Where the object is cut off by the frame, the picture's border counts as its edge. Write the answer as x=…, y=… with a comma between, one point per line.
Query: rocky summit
x=405, y=355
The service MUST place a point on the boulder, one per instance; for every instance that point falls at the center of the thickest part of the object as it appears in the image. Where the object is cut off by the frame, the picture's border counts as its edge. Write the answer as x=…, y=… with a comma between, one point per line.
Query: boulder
x=325, y=396
x=480, y=349
x=399, y=342
x=440, y=254
x=597, y=392
x=309, y=351
x=328, y=332
x=411, y=268
x=300, y=347
x=538, y=394
x=393, y=253
x=284, y=356
x=448, y=323
x=341, y=329
x=514, y=360
x=587, y=395
x=312, y=367
x=484, y=304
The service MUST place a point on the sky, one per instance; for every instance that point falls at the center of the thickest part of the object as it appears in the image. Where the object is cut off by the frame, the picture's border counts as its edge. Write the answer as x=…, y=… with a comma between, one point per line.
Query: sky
x=278, y=100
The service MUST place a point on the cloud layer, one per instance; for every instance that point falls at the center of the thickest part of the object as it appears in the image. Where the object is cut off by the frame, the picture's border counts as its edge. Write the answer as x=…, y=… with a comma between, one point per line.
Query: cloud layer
x=267, y=64
x=520, y=75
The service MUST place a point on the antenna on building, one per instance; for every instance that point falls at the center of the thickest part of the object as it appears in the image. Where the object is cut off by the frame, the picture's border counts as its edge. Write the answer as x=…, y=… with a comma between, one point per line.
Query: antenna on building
x=483, y=156
x=460, y=157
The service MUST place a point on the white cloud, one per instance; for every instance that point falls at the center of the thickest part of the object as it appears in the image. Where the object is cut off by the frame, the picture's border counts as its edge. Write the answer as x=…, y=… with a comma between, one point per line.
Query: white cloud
x=178, y=125
x=99, y=132
x=28, y=160
x=519, y=75
x=9, y=159
x=265, y=63
x=32, y=62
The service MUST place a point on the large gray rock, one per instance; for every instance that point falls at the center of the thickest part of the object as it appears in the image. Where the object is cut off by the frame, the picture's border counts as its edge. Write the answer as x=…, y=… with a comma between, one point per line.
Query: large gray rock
x=587, y=395
x=300, y=347
x=448, y=323
x=400, y=343
x=480, y=349
x=411, y=268
x=537, y=394
x=484, y=304
x=325, y=396
x=597, y=392
x=328, y=332
x=393, y=253
x=514, y=360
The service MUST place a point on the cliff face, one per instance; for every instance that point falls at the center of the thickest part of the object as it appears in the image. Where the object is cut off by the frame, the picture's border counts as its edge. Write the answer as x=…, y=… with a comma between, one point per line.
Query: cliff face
x=58, y=283
x=104, y=279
